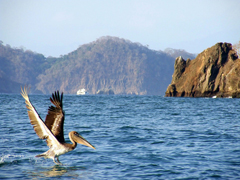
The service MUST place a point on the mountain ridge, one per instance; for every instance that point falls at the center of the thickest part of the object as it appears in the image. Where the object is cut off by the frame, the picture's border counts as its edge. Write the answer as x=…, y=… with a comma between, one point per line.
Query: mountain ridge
x=107, y=63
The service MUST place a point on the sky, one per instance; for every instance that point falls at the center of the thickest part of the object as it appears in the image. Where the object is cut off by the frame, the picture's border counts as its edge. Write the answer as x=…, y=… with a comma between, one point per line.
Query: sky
x=58, y=27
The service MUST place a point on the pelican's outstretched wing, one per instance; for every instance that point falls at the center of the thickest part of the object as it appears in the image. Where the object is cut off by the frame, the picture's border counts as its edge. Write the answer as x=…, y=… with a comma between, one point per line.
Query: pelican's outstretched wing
x=40, y=128
x=55, y=117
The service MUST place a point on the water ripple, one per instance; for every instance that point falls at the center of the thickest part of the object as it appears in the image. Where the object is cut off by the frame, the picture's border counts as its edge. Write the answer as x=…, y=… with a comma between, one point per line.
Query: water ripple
x=136, y=137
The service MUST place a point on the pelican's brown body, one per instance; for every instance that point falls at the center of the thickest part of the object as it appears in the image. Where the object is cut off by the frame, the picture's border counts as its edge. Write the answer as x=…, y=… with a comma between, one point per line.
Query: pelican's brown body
x=52, y=128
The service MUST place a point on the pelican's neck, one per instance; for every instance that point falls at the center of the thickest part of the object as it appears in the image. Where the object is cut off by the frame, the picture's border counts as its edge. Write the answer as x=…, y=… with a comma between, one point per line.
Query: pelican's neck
x=74, y=144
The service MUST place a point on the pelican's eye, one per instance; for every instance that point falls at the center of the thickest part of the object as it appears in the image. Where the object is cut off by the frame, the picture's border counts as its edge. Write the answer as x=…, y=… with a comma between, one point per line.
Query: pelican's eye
x=75, y=133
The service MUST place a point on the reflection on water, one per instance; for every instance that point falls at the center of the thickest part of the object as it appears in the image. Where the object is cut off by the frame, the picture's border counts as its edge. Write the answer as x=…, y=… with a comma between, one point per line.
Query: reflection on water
x=58, y=170
x=54, y=171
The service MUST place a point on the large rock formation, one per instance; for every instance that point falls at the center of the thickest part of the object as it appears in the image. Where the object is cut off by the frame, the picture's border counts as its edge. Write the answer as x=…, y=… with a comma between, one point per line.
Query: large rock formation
x=214, y=72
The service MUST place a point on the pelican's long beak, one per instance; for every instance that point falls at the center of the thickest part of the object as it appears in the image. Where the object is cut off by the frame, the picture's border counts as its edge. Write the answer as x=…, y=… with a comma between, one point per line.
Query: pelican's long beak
x=79, y=139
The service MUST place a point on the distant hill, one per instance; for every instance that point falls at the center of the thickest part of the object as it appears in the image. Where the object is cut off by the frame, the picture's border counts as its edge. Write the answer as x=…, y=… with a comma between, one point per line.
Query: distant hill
x=180, y=52
x=7, y=85
x=19, y=67
x=107, y=63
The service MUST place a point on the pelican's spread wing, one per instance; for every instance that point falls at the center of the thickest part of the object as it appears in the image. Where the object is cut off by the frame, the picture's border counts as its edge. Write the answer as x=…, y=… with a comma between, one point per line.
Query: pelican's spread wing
x=40, y=128
x=55, y=117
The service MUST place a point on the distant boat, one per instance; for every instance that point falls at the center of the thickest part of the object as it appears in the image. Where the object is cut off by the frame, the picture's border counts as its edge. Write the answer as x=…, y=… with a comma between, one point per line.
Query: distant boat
x=214, y=97
x=82, y=92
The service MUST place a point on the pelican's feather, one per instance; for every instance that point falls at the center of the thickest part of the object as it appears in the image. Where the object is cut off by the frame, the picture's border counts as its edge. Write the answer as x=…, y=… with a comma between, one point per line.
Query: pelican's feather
x=55, y=117
x=40, y=128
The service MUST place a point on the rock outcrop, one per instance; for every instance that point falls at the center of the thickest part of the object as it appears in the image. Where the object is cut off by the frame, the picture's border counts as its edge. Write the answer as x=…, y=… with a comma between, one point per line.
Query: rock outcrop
x=214, y=72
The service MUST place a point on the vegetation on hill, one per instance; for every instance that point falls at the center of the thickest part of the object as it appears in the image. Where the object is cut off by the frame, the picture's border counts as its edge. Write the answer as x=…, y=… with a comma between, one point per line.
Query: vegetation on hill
x=107, y=63
x=19, y=67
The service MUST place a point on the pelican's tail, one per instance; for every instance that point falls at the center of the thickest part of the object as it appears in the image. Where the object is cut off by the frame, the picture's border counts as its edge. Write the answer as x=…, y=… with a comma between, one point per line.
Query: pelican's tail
x=42, y=155
x=47, y=155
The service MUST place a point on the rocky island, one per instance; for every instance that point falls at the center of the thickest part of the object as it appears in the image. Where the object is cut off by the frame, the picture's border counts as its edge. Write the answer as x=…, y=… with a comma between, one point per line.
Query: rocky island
x=213, y=73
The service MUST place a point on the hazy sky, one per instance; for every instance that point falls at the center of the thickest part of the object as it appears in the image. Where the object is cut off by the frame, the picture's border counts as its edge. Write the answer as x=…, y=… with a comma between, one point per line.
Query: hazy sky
x=57, y=27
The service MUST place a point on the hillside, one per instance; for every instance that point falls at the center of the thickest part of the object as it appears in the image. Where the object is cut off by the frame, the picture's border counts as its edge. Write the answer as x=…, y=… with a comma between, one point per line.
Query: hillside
x=19, y=67
x=107, y=63
x=125, y=67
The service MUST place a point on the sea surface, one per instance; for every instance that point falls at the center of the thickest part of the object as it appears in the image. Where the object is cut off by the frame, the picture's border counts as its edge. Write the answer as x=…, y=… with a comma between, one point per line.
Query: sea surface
x=136, y=137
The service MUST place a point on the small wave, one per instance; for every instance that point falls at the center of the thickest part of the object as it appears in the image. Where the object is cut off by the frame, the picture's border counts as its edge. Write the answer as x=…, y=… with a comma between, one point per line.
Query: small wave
x=158, y=142
x=9, y=158
x=2, y=140
x=127, y=127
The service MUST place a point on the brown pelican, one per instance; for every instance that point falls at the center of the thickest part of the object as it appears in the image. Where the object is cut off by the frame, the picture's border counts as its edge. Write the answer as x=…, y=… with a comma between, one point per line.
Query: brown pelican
x=52, y=129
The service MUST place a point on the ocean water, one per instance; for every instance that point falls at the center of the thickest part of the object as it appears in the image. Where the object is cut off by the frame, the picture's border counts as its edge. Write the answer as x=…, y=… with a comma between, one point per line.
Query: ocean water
x=136, y=137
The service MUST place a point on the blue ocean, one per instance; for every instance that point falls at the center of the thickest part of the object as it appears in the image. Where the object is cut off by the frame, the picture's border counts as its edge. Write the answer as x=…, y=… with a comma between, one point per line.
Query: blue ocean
x=136, y=137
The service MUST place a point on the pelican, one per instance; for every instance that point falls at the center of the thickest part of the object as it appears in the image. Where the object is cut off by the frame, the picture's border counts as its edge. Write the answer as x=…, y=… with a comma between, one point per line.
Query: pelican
x=52, y=128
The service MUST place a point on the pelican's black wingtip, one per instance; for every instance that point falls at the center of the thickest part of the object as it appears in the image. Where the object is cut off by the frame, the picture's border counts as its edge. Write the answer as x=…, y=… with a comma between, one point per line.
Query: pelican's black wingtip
x=56, y=99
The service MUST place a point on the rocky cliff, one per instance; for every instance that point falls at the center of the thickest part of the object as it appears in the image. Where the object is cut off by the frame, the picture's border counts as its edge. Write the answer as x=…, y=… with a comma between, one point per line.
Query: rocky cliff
x=214, y=72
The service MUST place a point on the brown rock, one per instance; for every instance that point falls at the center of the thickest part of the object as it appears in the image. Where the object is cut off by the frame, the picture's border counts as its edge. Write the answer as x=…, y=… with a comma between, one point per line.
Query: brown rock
x=214, y=72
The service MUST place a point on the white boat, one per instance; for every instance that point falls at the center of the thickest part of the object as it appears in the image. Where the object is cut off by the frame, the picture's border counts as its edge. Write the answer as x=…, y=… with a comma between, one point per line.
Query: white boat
x=82, y=92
